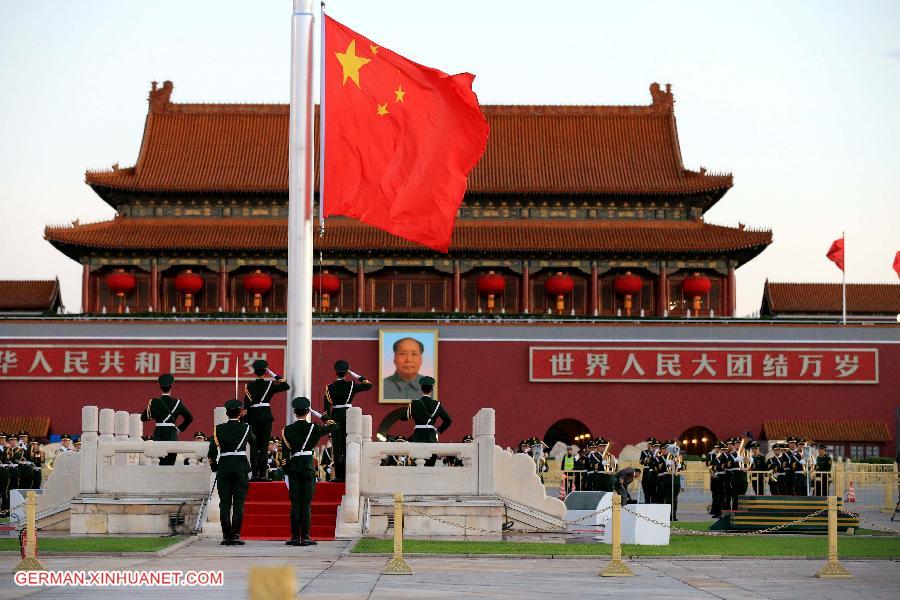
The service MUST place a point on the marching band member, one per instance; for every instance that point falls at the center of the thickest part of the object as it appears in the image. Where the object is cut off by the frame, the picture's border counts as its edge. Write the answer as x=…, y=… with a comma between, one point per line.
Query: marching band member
x=668, y=466
x=648, y=480
x=718, y=463
x=758, y=468
x=823, y=471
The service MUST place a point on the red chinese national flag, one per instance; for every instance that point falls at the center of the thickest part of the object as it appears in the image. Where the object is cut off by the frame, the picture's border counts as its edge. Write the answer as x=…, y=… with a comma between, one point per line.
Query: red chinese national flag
x=897, y=263
x=836, y=253
x=400, y=139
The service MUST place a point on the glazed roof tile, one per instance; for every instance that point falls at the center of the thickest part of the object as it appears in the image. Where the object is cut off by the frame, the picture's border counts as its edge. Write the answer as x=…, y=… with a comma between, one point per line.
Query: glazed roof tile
x=243, y=148
x=29, y=295
x=827, y=431
x=825, y=298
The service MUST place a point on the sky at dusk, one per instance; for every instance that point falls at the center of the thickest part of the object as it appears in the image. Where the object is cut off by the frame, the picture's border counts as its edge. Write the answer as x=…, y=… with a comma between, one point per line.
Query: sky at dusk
x=799, y=100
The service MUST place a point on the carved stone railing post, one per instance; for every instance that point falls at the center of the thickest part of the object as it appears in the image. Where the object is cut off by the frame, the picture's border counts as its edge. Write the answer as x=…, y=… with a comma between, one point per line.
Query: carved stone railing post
x=120, y=432
x=135, y=426
x=483, y=432
x=350, y=502
x=88, y=454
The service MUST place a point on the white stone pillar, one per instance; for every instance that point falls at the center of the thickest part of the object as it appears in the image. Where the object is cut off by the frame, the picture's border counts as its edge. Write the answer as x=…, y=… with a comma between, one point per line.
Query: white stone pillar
x=367, y=428
x=483, y=432
x=120, y=432
x=107, y=424
x=350, y=502
x=135, y=426
x=88, y=453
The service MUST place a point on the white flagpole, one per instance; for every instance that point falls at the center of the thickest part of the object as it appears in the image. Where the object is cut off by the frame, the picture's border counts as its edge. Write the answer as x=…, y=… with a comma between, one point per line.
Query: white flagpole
x=844, y=279
x=298, y=363
x=322, y=126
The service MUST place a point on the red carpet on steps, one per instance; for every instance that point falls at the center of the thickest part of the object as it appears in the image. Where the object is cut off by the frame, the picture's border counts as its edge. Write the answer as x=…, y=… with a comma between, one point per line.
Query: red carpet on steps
x=267, y=511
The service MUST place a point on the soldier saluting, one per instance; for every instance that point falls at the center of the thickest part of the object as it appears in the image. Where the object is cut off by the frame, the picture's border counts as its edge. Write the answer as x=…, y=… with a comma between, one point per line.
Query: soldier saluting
x=424, y=412
x=228, y=460
x=257, y=398
x=300, y=437
x=165, y=409
x=338, y=398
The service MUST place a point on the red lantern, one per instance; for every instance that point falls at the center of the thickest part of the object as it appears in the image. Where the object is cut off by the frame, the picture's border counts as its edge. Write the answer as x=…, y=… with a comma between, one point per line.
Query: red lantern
x=188, y=283
x=490, y=284
x=257, y=283
x=696, y=286
x=628, y=285
x=559, y=285
x=120, y=283
x=326, y=284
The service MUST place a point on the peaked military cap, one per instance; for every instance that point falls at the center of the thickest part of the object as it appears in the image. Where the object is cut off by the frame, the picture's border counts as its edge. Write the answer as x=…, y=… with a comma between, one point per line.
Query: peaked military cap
x=426, y=381
x=341, y=366
x=300, y=403
x=753, y=445
x=233, y=404
x=651, y=439
x=34, y=442
x=260, y=365
x=165, y=380
x=467, y=438
x=199, y=436
x=23, y=434
x=823, y=446
x=399, y=438
x=64, y=436
x=2, y=435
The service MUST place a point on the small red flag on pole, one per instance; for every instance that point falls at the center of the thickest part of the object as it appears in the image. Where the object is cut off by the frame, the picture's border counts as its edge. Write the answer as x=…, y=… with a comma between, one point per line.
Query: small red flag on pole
x=897, y=263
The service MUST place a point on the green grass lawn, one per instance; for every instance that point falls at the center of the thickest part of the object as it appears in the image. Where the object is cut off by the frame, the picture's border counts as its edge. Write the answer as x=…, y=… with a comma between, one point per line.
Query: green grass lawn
x=95, y=544
x=680, y=545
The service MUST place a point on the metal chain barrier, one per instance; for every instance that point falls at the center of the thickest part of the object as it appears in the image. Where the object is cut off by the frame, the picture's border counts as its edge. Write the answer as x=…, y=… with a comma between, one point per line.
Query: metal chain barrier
x=11, y=510
x=871, y=524
x=412, y=510
x=725, y=534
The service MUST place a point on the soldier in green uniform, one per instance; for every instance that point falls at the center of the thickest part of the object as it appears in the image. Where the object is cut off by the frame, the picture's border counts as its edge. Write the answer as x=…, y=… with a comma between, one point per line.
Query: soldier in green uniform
x=718, y=463
x=823, y=471
x=5, y=468
x=424, y=412
x=257, y=398
x=300, y=438
x=339, y=396
x=164, y=410
x=228, y=460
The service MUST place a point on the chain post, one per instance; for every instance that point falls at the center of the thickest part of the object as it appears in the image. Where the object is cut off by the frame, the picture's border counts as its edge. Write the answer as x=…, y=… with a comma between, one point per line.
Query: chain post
x=30, y=561
x=833, y=569
x=398, y=566
x=616, y=568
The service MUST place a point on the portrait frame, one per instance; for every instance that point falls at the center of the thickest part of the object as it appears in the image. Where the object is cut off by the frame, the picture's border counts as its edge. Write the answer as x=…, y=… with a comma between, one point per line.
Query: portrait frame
x=428, y=342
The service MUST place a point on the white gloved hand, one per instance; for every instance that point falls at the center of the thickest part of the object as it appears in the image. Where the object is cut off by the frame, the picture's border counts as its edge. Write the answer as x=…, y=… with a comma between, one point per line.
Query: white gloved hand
x=315, y=413
x=354, y=374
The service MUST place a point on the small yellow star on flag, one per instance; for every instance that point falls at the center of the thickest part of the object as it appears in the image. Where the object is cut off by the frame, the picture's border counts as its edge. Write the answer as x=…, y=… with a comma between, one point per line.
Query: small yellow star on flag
x=373, y=48
x=351, y=63
x=382, y=109
x=400, y=93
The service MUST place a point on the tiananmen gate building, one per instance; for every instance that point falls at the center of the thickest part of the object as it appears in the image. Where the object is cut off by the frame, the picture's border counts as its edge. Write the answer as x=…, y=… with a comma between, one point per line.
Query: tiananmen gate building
x=583, y=212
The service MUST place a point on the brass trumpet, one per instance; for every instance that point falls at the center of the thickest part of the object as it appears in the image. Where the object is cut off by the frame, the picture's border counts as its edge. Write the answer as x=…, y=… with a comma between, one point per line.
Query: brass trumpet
x=610, y=462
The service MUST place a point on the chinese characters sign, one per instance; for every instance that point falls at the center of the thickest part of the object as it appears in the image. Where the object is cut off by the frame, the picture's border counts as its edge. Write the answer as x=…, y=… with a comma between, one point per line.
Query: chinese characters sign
x=704, y=365
x=139, y=361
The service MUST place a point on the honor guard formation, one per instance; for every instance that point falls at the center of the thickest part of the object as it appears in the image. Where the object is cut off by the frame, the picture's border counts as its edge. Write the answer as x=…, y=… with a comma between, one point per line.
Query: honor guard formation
x=243, y=449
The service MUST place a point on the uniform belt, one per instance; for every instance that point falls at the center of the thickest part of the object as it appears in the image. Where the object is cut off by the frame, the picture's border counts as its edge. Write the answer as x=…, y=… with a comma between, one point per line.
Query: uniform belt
x=342, y=406
x=426, y=427
x=165, y=424
x=302, y=453
x=235, y=453
x=259, y=404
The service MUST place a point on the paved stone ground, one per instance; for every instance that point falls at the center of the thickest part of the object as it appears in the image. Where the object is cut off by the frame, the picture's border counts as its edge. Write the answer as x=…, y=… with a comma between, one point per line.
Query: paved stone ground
x=327, y=571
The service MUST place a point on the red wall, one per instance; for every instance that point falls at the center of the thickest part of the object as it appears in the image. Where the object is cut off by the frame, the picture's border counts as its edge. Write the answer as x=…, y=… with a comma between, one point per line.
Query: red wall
x=475, y=374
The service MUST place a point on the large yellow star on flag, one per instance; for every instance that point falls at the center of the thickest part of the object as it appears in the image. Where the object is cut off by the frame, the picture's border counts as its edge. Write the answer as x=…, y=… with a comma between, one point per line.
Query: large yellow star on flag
x=399, y=92
x=351, y=63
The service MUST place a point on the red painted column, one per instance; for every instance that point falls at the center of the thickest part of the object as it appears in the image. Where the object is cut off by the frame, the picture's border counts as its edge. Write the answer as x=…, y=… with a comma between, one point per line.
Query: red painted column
x=526, y=293
x=360, y=286
x=457, y=287
x=732, y=292
x=662, y=292
x=595, y=290
x=154, y=285
x=223, y=285
x=86, y=288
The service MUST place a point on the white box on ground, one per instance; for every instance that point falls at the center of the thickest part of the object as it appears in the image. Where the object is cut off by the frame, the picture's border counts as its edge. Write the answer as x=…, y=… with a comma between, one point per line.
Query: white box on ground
x=636, y=530
x=580, y=509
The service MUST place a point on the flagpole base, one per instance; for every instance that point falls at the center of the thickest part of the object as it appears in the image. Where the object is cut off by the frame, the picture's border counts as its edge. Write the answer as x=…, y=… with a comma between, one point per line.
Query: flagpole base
x=834, y=570
x=397, y=566
x=616, y=568
x=29, y=563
